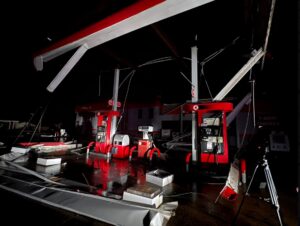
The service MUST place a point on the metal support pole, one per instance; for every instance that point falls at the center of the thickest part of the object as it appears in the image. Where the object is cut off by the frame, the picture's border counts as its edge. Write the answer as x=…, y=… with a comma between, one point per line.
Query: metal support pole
x=239, y=75
x=253, y=101
x=272, y=190
x=268, y=32
x=194, y=53
x=115, y=103
x=270, y=183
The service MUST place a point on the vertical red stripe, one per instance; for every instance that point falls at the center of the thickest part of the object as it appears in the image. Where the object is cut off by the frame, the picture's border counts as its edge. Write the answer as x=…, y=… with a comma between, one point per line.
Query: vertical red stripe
x=243, y=165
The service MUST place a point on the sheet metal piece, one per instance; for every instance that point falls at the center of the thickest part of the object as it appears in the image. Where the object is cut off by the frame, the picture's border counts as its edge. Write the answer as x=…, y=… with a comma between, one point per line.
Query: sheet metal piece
x=115, y=212
x=109, y=211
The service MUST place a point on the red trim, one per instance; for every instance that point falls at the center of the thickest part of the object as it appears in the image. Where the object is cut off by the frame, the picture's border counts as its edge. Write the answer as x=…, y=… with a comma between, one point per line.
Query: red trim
x=131, y=152
x=90, y=145
x=152, y=152
x=188, y=158
x=243, y=165
x=229, y=194
x=201, y=109
x=123, y=14
x=28, y=144
x=93, y=107
x=208, y=107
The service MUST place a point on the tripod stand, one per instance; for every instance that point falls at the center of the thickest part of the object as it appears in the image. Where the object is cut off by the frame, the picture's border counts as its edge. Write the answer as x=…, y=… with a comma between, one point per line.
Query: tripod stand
x=271, y=186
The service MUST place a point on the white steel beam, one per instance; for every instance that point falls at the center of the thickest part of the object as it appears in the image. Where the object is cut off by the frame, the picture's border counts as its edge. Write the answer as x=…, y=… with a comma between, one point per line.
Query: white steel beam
x=232, y=115
x=146, y=12
x=67, y=68
x=239, y=75
x=115, y=103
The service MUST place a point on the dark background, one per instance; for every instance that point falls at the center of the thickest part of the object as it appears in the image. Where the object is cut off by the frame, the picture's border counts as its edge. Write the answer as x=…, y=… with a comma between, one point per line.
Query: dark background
x=28, y=27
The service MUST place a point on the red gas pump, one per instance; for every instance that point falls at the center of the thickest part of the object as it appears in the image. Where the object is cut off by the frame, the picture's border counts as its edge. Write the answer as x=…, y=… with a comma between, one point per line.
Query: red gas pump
x=146, y=147
x=120, y=146
x=212, y=131
x=107, y=143
x=103, y=135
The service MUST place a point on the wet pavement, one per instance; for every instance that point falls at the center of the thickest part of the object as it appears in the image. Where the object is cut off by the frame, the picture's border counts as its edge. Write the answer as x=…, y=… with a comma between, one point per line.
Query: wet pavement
x=196, y=192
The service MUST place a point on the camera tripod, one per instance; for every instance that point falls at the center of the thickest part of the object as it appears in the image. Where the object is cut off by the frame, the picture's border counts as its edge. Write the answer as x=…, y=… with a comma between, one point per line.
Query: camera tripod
x=271, y=186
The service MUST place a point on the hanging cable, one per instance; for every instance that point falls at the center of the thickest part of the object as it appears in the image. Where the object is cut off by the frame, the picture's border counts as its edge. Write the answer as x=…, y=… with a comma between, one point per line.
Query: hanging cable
x=150, y=62
x=155, y=61
x=253, y=101
x=27, y=124
x=209, y=58
x=39, y=122
x=206, y=83
x=125, y=99
x=124, y=80
x=189, y=81
x=213, y=55
x=244, y=132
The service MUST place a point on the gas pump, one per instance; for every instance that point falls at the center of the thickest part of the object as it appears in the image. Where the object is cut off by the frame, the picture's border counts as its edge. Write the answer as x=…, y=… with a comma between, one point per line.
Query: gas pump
x=146, y=142
x=120, y=148
x=212, y=131
x=103, y=135
x=146, y=147
x=106, y=142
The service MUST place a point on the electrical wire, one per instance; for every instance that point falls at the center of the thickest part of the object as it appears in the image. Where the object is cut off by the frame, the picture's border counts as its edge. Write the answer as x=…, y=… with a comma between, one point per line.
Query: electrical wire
x=189, y=81
x=127, y=76
x=39, y=122
x=177, y=195
x=28, y=123
x=244, y=133
x=125, y=99
x=209, y=58
x=206, y=83
x=155, y=61
x=213, y=55
x=127, y=91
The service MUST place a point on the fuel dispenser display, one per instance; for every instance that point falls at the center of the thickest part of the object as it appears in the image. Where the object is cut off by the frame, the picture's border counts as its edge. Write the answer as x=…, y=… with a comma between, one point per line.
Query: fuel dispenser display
x=211, y=131
x=211, y=136
x=103, y=136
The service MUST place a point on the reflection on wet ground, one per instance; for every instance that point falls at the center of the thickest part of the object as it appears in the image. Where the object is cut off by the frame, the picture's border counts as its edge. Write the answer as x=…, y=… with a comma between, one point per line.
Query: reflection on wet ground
x=196, y=191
